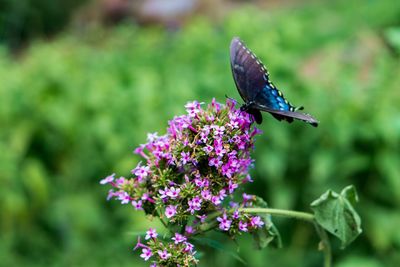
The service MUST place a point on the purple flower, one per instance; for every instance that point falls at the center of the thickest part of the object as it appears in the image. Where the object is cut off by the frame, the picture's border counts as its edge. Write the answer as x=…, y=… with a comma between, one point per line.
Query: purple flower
x=141, y=172
x=208, y=149
x=235, y=215
x=188, y=247
x=222, y=194
x=247, y=197
x=124, y=197
x=202, y=218
x=137, y=204
x=178, y=238
x=146, y=253
x=120, y=181
x=243, y=226
x=224, y=223
x=248, y=179
x=200, y=182
x=216, y=200
x=151, y=233
x=233, y=204
x=173, y=192
x=170, y=211
x=163, y=193
x=194, y=204
x=256, y=222
x=110, y=194
x=232, y=186
x=185, y=157
x=220, y=151
x=206, y=194
x=146, y=197
x=164, y=254
x=189, y=230
x=151, y=137
x=108, y=179
x=218, y=130
x=189, y=172
x=193, y=108
x=215, y=162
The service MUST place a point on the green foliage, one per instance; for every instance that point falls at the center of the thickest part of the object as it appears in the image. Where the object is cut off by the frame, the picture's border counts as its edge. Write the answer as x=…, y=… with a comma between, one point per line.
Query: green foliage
x=269, y=234
x=72, y=110
x=24, y=19
x=336, y=214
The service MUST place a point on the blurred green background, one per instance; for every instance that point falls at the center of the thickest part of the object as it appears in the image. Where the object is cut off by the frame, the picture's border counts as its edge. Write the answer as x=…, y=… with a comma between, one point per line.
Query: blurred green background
x=82, y=83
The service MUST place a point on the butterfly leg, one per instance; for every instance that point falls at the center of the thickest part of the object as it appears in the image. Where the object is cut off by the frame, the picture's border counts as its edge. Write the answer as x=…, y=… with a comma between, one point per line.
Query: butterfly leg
x=257, y=116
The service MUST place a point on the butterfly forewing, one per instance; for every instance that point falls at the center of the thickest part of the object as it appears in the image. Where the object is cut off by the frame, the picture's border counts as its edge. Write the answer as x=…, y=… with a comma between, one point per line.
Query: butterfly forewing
x=247, y=70
x=252, y=81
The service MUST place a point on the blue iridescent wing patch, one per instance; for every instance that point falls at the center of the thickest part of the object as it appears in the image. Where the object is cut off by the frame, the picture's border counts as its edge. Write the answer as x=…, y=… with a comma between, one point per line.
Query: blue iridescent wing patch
x=254, y=86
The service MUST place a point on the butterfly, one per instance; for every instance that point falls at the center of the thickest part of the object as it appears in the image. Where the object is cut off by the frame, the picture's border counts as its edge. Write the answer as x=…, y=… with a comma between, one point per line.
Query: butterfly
x=252, y=81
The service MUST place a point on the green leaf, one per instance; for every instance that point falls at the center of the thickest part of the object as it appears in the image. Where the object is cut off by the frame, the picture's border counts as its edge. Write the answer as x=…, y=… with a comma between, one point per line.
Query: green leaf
x=268, y=234
x=393, y=37
x=335, y=213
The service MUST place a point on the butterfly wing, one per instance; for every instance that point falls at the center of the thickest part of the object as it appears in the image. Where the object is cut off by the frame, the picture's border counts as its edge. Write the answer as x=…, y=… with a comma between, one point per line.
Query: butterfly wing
x=252, y=81
x=287, y=115
x=247, y=70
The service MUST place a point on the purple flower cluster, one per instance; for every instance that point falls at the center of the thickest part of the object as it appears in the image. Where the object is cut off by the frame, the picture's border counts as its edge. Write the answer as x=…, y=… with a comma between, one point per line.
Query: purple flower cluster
x=193, y=170
x=178, y=252
x=237, y=221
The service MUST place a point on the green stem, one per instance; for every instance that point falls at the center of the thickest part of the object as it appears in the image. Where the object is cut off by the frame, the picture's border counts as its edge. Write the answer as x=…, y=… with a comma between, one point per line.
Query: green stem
x=283, y=213
x=326, y=247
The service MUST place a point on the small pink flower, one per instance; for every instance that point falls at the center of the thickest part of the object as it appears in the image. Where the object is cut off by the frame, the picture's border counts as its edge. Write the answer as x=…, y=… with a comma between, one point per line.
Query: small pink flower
x=256, y=222
x=224, y=223
x=178, y=238
x=173, y=192
x=137, y=204
x=146, y=253
x=141, y=172
x=124, y=197
x=151, y=233
x=108, y=179
x=185, y=157
x=189, y=230
x=151, y=137
x=164, y=254
x=170, y=211
x=243, y=226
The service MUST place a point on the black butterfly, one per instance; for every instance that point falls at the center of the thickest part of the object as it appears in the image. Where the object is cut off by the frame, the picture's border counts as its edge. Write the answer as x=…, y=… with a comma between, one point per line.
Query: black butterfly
x=254, y=86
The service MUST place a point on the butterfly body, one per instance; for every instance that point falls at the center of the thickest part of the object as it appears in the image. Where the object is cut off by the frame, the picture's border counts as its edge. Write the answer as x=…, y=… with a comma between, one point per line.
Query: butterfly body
x=252, y=81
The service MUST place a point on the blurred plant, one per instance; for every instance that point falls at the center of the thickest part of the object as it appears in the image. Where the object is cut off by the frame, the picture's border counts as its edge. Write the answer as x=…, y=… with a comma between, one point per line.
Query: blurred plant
x=189, y=180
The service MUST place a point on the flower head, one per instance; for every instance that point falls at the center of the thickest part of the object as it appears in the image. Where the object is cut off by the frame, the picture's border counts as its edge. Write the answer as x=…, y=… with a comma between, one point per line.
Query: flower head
x=178, y=238
x=170, y=211
x=224, y=223
x=146, y=253
x=189, y=172
x=151, y=233
x=164, y=254
x=108, y=179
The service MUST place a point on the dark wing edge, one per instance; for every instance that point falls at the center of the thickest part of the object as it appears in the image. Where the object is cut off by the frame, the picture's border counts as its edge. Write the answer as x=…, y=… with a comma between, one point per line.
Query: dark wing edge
x=290, y=114
x=233, y=48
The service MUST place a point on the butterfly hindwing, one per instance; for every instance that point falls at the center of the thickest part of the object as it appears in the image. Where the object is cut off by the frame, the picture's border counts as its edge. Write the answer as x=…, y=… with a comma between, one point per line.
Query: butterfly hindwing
x=287, y=115
x=252, y=81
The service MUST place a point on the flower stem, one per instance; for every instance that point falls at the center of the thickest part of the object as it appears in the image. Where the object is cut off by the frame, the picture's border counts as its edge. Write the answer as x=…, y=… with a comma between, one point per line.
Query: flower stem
x=283, y=213
x=324, y=245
